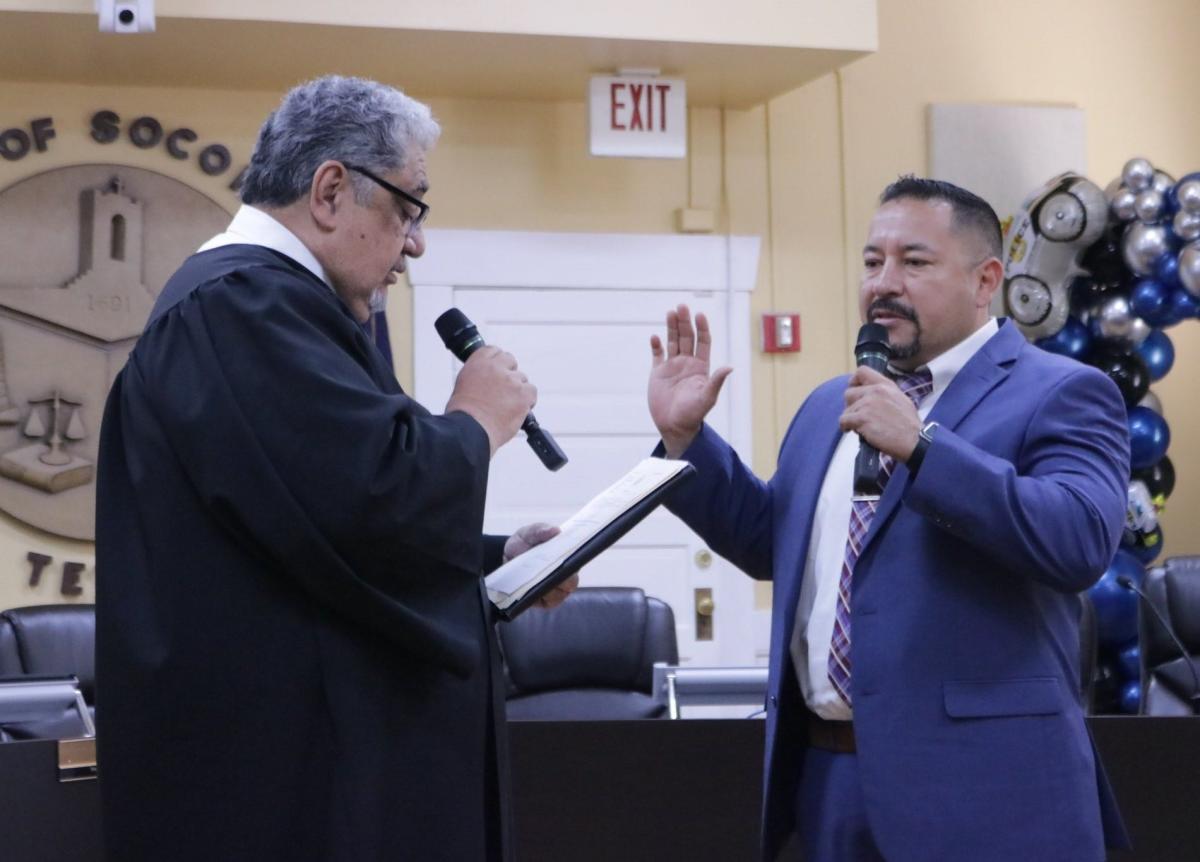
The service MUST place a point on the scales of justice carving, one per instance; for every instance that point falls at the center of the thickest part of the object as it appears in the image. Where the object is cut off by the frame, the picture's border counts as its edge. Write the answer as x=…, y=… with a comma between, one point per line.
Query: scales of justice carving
x=47, y=464
x=61, y=346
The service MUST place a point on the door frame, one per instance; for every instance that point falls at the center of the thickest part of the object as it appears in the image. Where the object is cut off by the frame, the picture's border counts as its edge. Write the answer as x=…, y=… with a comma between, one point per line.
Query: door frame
x=531, y=260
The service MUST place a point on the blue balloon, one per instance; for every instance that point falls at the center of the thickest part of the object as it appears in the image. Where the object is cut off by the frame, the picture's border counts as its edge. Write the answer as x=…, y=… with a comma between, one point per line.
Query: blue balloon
x=1181, y=305
x=1166, y=271
x=1158, y=353
x=1116, y=607
x=1127, y=660
x=1150, y=301
x=1131, y=697
x=1149, y=437
x=1072, y=340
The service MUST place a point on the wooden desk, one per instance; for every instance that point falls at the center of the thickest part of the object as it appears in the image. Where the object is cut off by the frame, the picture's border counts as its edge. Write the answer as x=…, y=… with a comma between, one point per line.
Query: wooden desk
x=649, y=790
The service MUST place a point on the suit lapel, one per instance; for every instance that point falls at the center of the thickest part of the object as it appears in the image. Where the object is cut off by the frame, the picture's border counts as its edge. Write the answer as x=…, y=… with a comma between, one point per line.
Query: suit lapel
x=981, y=374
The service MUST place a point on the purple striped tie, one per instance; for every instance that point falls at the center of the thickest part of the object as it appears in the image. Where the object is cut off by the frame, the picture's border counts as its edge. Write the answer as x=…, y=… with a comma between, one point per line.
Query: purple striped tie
x=916, y=386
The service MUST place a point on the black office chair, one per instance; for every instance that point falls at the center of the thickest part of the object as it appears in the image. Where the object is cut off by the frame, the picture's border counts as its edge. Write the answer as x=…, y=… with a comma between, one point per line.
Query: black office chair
x=49, y=641
x=1168, y=683
x=590, y=658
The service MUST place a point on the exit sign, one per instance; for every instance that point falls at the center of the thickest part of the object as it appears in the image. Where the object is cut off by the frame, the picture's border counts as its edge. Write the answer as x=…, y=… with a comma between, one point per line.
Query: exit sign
x=638, y=116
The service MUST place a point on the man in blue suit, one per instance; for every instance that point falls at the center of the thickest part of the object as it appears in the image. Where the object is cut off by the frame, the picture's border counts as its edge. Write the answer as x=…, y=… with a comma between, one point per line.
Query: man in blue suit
x=924, y=699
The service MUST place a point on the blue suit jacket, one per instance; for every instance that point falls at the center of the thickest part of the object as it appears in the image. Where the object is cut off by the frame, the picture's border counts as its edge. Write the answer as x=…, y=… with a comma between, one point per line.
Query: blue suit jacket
x=965, y=634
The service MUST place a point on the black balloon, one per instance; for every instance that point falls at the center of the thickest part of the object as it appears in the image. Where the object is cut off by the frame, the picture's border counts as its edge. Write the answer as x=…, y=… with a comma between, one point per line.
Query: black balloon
x=1127, y=370
x=1104, y=261
x=1085, y=292
x=1159, y=479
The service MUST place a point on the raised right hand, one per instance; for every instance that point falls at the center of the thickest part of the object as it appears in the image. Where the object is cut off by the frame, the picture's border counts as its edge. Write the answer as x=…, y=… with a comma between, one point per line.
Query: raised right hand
x=494, y=392
x=680, y=391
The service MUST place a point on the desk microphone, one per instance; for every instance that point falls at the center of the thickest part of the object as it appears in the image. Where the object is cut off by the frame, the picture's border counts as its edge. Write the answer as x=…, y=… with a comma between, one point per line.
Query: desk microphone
x=462, y=339
x=873, y=351
x=1194, y=697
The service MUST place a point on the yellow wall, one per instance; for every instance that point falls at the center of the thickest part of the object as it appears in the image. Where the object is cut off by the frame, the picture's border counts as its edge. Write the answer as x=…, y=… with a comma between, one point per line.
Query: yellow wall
x=802, y=171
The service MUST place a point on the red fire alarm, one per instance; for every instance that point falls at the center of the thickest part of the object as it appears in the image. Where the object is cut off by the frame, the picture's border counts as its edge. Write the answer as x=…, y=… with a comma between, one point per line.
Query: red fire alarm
x=781, y=333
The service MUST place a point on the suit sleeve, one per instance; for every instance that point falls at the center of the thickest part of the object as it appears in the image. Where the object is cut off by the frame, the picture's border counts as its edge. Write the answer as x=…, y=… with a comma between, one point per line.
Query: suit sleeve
x=360, y=496
x=1054, y=516
x=726, y=504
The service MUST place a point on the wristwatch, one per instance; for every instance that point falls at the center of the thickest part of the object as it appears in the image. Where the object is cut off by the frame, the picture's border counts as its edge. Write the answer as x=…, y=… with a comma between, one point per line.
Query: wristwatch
x=924, y=439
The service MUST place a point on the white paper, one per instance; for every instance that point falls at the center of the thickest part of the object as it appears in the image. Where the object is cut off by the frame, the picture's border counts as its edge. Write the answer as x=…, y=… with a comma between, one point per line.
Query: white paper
x=507, y=584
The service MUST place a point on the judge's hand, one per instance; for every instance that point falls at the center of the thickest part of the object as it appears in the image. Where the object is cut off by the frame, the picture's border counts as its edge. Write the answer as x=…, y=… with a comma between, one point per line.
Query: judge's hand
x=491, y=389
x=528, y=537
x=881, y=414
x=681, y=391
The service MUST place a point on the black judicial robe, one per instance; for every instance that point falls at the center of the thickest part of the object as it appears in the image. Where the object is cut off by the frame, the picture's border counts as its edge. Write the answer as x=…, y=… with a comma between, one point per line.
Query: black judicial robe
x=294, y=661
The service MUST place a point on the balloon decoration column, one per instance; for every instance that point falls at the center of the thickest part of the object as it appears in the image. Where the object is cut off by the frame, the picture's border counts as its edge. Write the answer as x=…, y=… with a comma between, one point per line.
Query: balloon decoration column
x=1099, y=276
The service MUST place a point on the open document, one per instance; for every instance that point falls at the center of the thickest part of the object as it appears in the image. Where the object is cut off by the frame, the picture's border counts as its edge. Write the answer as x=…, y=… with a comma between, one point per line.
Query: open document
x=605, y=519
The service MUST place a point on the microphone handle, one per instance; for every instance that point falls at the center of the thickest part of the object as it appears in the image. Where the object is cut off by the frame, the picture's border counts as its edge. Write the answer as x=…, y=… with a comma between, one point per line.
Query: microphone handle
x=540, y=440
x=543, y=444
x=1128, y=584
x=867, y=464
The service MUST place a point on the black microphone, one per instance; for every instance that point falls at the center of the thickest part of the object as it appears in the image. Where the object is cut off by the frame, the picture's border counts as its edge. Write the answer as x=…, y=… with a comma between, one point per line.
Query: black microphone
x=462, y=339
x=873, y=351
x=1194, y=697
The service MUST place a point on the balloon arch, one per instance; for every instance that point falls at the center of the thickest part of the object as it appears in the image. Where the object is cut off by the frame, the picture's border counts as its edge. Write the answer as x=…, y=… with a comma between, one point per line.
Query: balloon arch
x=1098, y=275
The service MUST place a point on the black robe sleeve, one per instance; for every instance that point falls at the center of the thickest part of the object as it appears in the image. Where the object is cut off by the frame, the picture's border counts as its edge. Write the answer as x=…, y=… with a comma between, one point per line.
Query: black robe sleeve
x=295, y=434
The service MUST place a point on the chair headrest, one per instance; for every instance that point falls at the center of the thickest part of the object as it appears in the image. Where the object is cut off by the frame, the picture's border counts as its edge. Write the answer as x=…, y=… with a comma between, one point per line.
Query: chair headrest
x=56, y=640
x=596, y=638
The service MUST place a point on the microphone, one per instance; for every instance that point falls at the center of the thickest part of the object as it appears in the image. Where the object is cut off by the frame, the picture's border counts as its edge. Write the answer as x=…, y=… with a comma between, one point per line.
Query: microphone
x=1194, y=697
x=873, y=351
x=462, y=339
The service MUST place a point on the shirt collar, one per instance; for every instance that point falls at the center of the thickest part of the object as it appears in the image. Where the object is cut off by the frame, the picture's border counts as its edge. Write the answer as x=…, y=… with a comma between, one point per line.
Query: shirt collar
x=252, y=226
x=945, y=366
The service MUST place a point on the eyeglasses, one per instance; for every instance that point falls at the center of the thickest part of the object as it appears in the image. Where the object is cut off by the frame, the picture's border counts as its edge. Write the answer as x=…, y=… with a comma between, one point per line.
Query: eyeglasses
x=414, y=221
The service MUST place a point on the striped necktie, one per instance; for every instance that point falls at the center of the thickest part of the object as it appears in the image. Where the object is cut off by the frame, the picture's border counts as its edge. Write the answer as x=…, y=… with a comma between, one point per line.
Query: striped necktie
x=916, y=386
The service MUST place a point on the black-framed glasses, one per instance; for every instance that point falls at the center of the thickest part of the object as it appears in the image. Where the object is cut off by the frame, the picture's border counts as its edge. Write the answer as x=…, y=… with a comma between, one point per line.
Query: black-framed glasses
x=414, y=221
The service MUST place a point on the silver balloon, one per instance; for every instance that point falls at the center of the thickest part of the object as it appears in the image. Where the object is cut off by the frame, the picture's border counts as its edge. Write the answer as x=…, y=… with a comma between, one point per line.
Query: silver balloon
x=1153, y=402
x=1138, y=174
x=1148, y=205
x=1110, y=190
x=1124, y=205
x=1186, y=225
x=1162, y=182
x=1188, y=194
x=1189, y=268
x=1113, y=320
x=1142, y=246
x=1138, y=330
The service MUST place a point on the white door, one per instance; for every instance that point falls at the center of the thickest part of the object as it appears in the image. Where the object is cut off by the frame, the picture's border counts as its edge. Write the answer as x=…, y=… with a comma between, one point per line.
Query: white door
x=587, y=351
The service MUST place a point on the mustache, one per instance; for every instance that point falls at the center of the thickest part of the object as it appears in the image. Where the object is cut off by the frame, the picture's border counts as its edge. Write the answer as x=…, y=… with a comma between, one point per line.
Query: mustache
x=892, y=306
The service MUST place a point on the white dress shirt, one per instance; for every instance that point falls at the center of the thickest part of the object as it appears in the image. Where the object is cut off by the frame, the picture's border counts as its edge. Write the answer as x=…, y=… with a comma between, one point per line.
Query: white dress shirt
x=252, y=226
x=827, y=546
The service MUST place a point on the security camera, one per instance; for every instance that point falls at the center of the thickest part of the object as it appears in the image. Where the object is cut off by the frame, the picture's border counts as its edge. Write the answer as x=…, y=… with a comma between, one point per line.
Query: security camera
x=126, y=16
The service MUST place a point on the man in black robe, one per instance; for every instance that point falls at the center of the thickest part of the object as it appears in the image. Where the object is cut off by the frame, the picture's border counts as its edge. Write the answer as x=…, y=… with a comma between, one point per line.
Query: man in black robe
x=294, y=654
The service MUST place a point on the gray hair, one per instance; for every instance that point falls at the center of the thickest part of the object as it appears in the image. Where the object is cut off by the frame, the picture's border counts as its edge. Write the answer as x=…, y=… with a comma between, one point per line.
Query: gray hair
x=352, y=120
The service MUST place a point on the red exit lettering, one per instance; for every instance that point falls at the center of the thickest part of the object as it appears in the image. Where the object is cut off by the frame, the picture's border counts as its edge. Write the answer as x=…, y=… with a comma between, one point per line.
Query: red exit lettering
x=638, y=107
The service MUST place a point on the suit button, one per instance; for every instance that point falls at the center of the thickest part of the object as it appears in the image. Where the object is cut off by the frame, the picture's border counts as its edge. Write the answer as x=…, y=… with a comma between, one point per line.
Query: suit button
x=774, y=701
